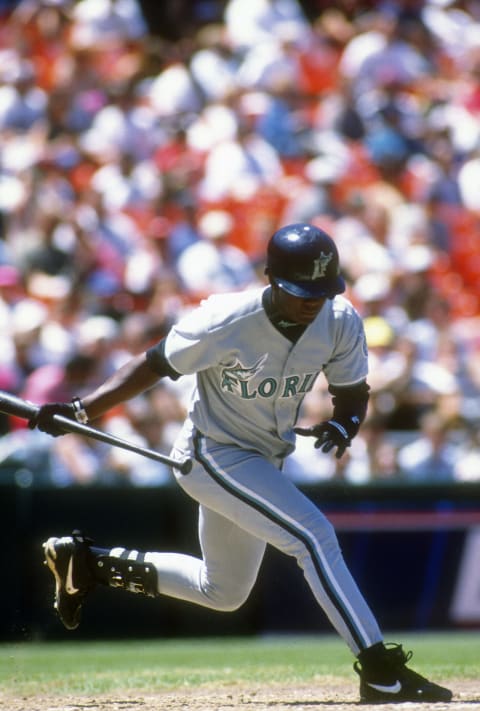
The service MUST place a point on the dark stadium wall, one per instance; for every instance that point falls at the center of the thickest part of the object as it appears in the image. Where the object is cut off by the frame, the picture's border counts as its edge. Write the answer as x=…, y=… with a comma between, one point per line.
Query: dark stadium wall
x=412, y=551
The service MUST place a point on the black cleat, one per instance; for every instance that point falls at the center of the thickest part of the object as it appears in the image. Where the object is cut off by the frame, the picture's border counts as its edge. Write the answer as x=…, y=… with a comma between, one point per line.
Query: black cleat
x=390, y=681
x=68, y=559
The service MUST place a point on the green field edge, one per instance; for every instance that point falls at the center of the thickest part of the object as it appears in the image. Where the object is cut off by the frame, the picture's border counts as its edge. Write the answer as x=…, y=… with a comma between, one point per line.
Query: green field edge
x=102, y=667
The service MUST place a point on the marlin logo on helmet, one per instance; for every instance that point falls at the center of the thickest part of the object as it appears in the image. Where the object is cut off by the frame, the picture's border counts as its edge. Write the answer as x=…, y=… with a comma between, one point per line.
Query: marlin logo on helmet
x=320, y=265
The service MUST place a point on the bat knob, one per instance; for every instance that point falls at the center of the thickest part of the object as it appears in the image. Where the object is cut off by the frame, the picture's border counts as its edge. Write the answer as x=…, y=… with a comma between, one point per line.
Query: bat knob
x=185, y=466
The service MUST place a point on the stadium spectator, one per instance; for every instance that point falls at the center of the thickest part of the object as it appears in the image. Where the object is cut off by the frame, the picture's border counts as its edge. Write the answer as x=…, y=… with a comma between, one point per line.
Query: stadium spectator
x=212, y=264
x=432, y=456
x=117, y=145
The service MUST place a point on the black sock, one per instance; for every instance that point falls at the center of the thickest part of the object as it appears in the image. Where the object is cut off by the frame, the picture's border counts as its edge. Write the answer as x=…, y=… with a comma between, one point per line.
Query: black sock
x=370, y=657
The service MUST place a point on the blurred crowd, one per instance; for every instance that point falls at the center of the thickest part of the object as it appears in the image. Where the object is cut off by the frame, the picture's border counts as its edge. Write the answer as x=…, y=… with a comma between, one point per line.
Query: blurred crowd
x=139, y=173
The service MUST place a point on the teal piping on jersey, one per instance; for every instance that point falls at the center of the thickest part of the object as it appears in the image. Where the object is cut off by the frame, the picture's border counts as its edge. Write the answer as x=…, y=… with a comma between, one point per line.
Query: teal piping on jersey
x=329, y=584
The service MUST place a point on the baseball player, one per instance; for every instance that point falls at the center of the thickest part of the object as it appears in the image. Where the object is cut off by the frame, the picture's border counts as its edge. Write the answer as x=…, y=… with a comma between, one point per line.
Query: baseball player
x=255, y=355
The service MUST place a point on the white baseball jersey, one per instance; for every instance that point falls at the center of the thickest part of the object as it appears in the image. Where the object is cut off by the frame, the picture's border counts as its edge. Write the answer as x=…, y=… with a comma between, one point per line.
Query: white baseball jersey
x=251, y=379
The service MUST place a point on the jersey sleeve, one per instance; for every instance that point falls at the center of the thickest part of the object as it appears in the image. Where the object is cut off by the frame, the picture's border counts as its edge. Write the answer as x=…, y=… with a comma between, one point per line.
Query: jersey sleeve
x=192, y=345
x=158, y=362
x=208, y=336
x=349, y=362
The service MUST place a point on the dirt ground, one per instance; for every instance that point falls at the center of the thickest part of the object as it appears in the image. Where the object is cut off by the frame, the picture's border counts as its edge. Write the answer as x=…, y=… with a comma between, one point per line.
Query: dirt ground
x=332, y=696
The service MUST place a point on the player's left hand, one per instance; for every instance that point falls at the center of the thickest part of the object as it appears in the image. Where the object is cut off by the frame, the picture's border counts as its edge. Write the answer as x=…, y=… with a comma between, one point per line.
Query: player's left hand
x=329, y=434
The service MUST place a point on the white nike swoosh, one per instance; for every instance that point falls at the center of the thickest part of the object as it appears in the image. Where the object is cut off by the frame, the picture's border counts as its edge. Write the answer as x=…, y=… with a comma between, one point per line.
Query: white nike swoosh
x=392, y=689
x=69, y=586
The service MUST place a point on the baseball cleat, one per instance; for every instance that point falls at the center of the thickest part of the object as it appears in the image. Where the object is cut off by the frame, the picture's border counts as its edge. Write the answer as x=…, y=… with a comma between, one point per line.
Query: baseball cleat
x=392, y=682
x=68, y=559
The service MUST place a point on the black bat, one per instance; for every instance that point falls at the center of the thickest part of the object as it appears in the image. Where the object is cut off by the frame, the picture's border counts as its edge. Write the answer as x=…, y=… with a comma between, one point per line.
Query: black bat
x=13, y=405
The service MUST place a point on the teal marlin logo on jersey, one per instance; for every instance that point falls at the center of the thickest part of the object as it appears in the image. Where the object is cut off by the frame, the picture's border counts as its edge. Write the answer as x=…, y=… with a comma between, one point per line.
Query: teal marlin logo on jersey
x=236, y=379
x=236, y=374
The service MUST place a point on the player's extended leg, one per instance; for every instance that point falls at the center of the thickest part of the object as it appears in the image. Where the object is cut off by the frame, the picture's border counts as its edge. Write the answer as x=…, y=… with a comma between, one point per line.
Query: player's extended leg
x=222, y=579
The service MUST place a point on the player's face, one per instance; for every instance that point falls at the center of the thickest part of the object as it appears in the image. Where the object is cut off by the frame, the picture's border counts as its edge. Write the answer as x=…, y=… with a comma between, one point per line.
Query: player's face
x=297, y=310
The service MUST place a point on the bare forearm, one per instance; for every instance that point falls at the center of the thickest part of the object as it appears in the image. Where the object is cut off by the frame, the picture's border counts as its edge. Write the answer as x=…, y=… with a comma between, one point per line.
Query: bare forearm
x=130, y=380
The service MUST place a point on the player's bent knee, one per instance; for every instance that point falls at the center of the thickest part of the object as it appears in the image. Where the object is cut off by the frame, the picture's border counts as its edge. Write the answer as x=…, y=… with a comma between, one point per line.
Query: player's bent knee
x=229, y=606
x=229, y=603
x=226, y=600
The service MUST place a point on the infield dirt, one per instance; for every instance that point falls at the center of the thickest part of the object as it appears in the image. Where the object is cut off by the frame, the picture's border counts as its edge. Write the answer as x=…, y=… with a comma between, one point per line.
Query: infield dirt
x=333, y=695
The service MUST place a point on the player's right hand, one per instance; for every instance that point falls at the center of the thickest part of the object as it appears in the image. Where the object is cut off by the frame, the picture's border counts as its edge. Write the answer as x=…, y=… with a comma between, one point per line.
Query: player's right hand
x=44, y=421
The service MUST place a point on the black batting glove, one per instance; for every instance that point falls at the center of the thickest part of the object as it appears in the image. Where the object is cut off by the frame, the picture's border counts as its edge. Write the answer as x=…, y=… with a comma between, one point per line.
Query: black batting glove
x=329, y=434
x=44, y=421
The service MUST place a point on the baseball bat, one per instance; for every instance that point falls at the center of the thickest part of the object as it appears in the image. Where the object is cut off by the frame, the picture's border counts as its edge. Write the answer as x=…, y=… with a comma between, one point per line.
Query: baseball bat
x=13, y=405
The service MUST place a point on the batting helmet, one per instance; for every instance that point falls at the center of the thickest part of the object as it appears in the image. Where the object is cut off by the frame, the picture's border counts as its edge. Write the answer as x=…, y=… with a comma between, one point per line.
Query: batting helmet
x=303, y=261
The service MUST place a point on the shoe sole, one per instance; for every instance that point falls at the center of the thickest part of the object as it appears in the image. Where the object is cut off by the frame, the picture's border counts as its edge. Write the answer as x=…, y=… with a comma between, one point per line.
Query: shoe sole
x=377, y=702
x=50, y=557
x=447, y=697
x=50, y=561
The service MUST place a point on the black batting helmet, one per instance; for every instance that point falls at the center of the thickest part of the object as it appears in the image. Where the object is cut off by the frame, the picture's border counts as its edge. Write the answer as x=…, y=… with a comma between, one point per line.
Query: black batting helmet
x=303, y=261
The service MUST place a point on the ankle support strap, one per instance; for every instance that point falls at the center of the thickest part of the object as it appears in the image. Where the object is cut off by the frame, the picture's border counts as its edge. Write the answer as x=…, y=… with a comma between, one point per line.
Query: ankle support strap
x=128, y=573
